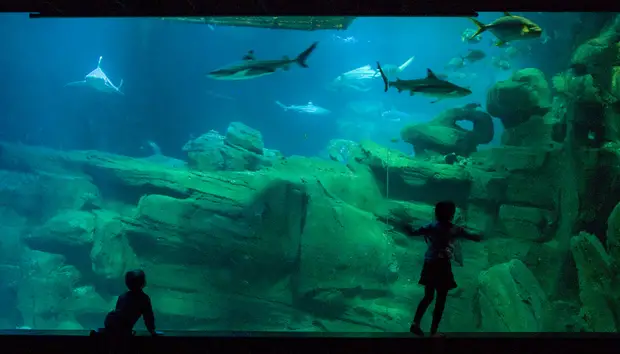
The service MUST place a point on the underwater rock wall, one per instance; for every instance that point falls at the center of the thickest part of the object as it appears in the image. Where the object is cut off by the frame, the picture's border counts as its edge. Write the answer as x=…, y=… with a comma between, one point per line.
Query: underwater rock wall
x=305, y=244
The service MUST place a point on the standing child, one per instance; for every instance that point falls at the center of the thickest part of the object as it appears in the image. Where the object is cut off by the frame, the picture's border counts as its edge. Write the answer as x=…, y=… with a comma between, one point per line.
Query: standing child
x=437, y=274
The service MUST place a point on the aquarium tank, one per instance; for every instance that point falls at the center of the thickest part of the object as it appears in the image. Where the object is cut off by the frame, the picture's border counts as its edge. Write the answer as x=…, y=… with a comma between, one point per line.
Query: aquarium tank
x=266, y=173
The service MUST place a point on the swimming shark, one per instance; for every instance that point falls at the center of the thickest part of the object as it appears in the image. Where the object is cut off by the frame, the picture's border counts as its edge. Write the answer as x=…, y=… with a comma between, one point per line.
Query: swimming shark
x=99, y=81
x=251, y=68
x=359, y=79
x=431, y=85
x=160, y=159
x=309, y=108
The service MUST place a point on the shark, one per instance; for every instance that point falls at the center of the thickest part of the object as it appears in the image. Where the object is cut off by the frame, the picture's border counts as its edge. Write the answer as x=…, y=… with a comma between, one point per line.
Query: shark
x=160, y=159
x=431, y=85
x=250, y=67
x=309, y=108
x=358, y=79
x=99, y=81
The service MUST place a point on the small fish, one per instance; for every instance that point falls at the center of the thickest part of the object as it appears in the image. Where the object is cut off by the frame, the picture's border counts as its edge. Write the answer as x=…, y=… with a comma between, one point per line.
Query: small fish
x=472, y=106
x=428, y=86
x=349, y=39
x=394, y=140
x=455, y=64
x=509, y=28
x=469, y=36
x=500, y=63
x=309, y=108
x=394, y=115
x=474, y=55
x=511, y=52
x=251, y=68
x=99, y=81
x=218, y=95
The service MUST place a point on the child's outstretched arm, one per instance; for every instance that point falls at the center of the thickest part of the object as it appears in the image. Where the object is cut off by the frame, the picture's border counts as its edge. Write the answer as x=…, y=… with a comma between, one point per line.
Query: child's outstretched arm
x=420, y=231
x=469, y=236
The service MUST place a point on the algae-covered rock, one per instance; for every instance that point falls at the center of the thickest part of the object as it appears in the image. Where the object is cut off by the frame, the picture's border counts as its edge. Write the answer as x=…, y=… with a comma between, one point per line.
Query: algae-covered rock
x=45, y=290
x=524, y=222
x=66, y=233
x=521, y=176
x=40, y=195
x=415, y=179
x=334, y=264
x=239, y=134
x=111, y=254
x=298, y=244
x=510, y=299
x=613, y=234
x=241, y=149
x=599, y=287
x=538, y=131
x=252, y=232
x=442, y=134
x=516, y=100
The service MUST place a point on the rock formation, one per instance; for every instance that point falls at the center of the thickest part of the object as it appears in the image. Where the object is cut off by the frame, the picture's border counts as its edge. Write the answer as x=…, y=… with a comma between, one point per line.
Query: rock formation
x=442, y=135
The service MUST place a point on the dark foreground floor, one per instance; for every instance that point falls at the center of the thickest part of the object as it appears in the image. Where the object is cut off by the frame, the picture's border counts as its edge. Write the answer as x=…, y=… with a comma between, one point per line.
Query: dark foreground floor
x=67, y=342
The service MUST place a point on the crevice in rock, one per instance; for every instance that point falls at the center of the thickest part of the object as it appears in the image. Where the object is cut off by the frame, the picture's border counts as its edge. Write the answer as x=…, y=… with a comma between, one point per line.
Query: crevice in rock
x=113, y=188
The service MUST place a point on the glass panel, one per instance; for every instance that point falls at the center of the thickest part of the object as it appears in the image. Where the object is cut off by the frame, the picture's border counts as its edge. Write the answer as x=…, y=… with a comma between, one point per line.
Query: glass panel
x=268, y=180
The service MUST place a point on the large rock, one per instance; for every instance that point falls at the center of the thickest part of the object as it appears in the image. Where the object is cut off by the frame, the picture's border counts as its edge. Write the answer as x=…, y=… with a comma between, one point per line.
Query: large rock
x=442, y=134
x=111, y=255
x=50, y=297
x=40, y=195
x=613, y=234
x=516, y=100
x=599, y=285
x=239, y=134
x=69, y=234
x=510, y=299
x=305, y=244
x=414, y=179
x=539, y=131
x=241, y=149
x=512, y=179
x=525, y=222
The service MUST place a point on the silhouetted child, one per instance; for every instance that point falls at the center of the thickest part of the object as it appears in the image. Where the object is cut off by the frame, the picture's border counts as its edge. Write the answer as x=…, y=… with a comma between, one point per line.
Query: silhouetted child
x=130, y=306
x=437, y=274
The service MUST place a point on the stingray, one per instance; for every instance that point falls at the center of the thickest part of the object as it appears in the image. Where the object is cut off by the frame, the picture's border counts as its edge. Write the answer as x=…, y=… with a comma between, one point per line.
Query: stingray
x=99, y=81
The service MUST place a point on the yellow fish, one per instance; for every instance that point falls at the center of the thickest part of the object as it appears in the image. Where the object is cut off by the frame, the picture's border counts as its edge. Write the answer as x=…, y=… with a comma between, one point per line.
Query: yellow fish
x=509, y=28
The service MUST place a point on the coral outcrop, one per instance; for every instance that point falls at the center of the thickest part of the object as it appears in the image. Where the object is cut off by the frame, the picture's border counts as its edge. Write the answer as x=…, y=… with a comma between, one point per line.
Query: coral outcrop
x=442, y=135
x=241, y=149
x=516, y=100
x=511, y=299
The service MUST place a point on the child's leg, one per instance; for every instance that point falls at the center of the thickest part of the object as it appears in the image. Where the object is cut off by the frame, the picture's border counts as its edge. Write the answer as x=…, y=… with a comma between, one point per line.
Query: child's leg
x=429, y=294
x=440, y=304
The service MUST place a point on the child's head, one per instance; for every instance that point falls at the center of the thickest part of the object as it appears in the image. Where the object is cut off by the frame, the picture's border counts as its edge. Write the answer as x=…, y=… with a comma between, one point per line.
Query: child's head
x=135, y=279
x=444, y=211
